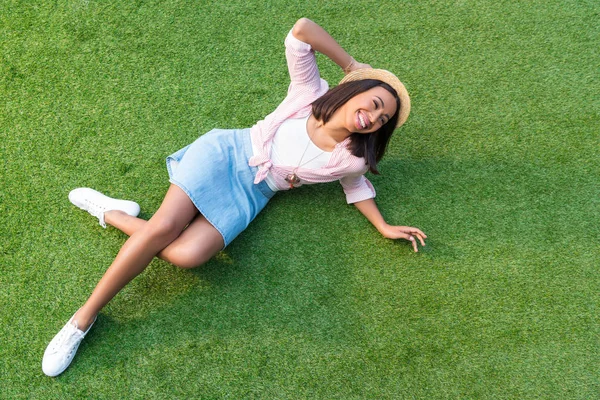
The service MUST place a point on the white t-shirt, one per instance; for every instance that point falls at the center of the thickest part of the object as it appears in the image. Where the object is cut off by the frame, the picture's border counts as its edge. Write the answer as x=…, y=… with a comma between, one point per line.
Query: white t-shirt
x=292, y=147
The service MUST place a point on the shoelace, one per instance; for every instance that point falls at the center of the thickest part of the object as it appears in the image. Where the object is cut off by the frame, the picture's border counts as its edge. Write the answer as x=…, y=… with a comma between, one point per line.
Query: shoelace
x=97, y=211
x=67, y=337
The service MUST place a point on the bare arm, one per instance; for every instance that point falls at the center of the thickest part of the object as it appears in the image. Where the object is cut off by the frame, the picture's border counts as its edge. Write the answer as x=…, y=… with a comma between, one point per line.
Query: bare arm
x=369, y=209
x=311, y=33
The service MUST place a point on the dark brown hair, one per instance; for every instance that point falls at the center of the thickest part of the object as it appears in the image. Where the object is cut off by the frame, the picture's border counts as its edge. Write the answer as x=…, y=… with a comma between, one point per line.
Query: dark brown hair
x=369, y=146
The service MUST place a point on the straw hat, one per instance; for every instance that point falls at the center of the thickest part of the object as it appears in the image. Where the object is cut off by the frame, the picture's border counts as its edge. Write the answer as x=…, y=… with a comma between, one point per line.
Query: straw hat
x=390, y=79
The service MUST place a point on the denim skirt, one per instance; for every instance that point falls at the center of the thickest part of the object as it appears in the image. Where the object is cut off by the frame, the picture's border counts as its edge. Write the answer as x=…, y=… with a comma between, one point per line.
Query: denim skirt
x=214, y=172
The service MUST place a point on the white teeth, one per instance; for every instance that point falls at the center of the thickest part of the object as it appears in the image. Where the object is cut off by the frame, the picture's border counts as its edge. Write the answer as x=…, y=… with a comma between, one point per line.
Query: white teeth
x=362, y=121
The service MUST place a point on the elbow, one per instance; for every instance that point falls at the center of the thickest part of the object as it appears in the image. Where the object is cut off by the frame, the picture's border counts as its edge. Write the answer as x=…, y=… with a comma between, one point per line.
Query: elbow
x=300, y=28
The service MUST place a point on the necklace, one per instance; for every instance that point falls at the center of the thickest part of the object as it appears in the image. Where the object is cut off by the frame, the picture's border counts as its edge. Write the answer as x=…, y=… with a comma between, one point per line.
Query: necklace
x=292, y=178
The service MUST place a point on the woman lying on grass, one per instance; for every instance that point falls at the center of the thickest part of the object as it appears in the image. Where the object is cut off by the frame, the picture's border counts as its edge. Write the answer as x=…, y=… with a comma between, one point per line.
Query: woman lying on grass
x=225, y=178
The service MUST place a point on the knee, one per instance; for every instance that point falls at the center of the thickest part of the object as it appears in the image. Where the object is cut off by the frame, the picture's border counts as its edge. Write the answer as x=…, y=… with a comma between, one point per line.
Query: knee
x=162, y=228
x=187, y=258
x=187, y=263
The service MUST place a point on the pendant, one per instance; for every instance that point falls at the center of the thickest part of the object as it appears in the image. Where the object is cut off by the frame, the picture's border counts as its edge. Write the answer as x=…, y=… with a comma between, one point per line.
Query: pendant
x=292, y=179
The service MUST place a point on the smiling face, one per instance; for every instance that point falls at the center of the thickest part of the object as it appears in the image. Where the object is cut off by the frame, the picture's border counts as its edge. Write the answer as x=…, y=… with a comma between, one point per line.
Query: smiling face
x=368, y=111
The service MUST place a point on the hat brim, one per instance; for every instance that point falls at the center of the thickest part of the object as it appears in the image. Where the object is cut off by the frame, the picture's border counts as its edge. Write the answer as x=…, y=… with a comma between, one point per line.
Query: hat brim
x=390, y=79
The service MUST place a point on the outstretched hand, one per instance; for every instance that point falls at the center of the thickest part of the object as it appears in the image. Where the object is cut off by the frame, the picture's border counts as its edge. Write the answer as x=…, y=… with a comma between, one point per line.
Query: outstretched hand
x=405, y=232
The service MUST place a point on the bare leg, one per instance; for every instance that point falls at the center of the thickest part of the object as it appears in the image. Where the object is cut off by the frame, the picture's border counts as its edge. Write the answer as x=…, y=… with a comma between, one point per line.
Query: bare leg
x=199, y=242
x=124, y=222
x=174, y=214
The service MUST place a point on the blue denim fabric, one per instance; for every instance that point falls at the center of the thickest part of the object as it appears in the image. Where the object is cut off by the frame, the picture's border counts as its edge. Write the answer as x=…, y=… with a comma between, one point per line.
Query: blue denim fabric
x=215, y=174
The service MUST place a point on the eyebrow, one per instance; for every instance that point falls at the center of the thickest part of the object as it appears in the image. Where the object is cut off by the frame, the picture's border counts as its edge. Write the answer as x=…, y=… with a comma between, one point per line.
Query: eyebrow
x=383, y=106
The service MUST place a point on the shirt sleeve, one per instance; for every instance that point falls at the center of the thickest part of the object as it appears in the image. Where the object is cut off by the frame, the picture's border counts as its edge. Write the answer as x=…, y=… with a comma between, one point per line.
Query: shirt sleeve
x=357, y=188
x=302, y=65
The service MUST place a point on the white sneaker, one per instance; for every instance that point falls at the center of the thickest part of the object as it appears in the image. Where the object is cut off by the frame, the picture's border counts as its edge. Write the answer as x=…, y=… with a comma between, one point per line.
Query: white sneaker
x=97, y=204
x=62, y=348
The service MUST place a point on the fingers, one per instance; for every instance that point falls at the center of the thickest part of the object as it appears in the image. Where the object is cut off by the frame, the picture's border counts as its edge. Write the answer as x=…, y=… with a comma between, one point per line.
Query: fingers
x=414, y=232
x=361, y=66
x=421, y=239
x=407, y=233
x=419, y=232
x=414, y=243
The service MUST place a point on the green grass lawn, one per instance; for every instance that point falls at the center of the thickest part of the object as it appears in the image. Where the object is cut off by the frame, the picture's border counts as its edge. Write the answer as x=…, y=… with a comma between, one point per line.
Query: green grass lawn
x=498, y=164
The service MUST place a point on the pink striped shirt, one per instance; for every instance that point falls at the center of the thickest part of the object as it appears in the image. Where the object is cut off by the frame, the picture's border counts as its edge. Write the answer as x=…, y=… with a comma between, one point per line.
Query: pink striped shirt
x=306, y=86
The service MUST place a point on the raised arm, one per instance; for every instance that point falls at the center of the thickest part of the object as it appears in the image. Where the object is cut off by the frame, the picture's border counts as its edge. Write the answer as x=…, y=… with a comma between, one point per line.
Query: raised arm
x=311, y=33
x=369, y=209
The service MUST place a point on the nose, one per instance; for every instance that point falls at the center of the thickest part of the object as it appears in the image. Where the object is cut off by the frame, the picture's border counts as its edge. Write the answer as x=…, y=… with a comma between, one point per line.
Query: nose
x=374, y=116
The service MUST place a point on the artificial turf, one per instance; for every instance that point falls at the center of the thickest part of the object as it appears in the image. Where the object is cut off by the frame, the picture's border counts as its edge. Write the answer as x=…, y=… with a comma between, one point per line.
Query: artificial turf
x=498, y=164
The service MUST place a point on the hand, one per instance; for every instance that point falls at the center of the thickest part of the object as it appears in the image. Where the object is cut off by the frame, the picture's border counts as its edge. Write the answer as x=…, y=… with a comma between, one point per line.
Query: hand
x=354, y=65
x=404, y=232
x=358, y=65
